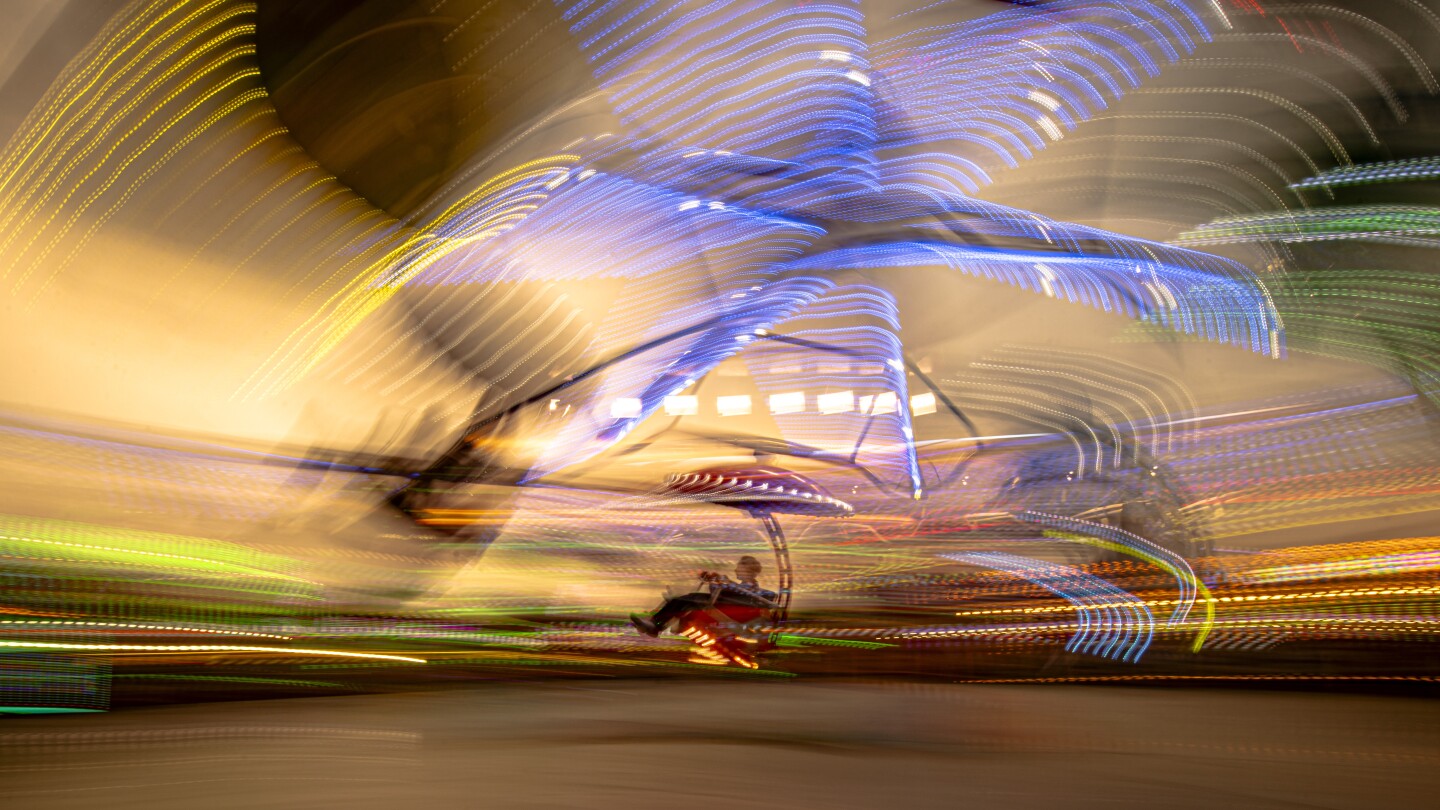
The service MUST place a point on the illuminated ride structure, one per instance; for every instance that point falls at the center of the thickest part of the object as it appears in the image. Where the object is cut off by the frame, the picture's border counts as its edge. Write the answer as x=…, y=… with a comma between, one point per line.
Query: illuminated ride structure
x=727, y=633
x=533, y=227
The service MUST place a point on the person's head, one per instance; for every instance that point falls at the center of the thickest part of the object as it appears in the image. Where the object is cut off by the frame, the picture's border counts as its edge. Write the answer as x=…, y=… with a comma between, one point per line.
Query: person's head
x=747, y=568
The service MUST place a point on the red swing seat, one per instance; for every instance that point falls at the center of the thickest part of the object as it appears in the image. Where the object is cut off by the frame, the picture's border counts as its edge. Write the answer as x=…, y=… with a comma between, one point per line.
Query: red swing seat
x=719, y=633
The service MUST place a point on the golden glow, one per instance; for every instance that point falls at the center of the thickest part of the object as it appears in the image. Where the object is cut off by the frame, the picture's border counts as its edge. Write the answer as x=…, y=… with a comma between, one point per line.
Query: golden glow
x=412, y=255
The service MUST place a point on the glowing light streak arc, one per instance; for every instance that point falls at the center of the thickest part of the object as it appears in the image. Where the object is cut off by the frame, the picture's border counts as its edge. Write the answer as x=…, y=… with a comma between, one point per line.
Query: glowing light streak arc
x=1122, y=628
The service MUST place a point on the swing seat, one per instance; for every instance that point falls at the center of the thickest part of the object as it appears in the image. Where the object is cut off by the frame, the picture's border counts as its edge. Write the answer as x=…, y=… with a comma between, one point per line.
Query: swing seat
x=723, y=634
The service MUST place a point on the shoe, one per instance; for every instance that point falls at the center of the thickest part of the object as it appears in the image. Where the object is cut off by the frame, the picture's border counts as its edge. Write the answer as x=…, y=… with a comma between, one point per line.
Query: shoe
x=644, y=625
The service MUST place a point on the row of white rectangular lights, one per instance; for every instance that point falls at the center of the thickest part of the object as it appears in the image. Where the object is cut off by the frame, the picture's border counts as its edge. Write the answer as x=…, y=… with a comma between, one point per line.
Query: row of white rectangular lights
x=791, y=402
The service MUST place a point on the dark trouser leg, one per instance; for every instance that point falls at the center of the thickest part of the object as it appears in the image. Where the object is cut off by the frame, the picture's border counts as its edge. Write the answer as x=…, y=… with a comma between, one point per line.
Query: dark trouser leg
x=678, y=605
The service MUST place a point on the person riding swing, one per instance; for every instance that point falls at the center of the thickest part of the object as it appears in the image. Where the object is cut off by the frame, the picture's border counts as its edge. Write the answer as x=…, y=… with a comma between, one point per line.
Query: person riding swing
x=742, y=599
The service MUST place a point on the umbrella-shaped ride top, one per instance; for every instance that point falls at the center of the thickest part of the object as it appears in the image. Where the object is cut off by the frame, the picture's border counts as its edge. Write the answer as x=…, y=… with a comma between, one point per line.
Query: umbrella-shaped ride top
x=763, y=491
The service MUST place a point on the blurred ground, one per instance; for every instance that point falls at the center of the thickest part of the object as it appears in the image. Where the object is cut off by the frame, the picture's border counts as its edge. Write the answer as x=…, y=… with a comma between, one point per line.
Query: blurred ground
x=637, y=744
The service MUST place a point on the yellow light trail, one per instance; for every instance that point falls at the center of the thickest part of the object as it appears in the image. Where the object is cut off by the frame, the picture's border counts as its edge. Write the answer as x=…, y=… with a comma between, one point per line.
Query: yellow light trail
x=58, y=645
x=123, y=625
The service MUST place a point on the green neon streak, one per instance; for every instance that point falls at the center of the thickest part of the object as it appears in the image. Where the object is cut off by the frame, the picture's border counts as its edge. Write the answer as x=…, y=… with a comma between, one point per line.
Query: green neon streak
x=45, y=710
